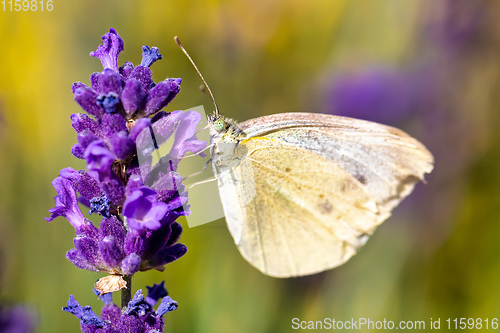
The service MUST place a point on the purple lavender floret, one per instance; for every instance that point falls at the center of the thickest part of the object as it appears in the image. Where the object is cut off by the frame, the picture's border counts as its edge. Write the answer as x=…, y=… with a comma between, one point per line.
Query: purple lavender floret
x=67, y=204
x=156, y=292
x=138, y=316
x=122, y=104
x=150, y=55
x=108, y=52
x=142, y=209
x=100, y=205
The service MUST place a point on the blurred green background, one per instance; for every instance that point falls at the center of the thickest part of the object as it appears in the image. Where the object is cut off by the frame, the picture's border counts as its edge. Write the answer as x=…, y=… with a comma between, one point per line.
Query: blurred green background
x=429, y=67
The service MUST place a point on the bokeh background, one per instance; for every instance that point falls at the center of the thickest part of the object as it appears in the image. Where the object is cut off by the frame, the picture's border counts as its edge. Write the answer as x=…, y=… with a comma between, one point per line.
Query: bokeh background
x=429, y=67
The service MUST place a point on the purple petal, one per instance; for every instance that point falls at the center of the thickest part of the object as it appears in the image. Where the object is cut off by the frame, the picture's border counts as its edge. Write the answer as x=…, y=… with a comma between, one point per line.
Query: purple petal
x=131, y=204
x=133, y=96
x=167, y=304
x=77, y=85
x=138, y=127
x=88, y=249
x=165, y=127
x=176, y=231
x=136, y=224
x=73, y=307
x=134, y=182
x=87, y=99
x=156, y=292
x=131, y=264
x=111, y=313
x=134, y=206
x=81, y=123
x=142, y=209
x=113, y=227
x=150, y=55
x=108, y=52
x=99, y=160
x=78, y=151
x=82, y=182
x=177, y=202
x=95, y=81
x=168, y=255
x=111, y=252
x=134, y=242
x=90, y=318
x=115, y=190
x=138, y=306
x=156, y=213
x=185, y=139
x=168, y=185
x=157, y=240
x=110, y=81
x=122, y=146
x=160, y=95
x=113, y=123
x=85, y=139
x=66, y=203
x=126, y=69
x=79, y=261
x=131, y=324
x=143, y=75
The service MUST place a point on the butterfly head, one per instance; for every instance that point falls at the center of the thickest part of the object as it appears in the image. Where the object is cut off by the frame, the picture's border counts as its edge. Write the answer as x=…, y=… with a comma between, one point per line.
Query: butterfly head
x=218, y=123
x=225, y=129
x=225, y=137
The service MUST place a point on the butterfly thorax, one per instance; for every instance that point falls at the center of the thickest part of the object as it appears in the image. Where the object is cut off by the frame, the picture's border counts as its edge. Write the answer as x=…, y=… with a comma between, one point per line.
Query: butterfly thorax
x=225, y=136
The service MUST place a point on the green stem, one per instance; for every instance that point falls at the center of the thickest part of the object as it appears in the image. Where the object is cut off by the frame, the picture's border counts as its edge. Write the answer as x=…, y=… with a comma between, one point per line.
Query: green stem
x=127, y=292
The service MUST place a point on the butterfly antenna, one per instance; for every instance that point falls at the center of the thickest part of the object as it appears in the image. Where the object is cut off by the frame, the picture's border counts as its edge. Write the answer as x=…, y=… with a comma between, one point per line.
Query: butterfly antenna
x=178, y=42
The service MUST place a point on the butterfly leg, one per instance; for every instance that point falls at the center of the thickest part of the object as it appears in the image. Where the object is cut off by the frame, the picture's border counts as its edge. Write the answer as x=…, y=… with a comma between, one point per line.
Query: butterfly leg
x=199, y=172
x=211, y=179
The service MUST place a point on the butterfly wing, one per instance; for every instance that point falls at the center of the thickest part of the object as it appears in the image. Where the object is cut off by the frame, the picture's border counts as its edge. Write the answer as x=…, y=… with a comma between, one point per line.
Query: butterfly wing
x=313, y=187
x=386, y=160
x=292, y=212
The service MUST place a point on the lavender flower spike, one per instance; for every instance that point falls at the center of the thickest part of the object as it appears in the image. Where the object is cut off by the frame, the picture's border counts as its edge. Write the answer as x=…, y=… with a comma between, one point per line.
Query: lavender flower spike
x=139, y=315
x=108, y=52
x=138, y=230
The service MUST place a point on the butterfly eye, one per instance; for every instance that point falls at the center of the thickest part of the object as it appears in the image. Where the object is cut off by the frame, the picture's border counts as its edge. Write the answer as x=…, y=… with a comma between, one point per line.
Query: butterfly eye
x=219, y=125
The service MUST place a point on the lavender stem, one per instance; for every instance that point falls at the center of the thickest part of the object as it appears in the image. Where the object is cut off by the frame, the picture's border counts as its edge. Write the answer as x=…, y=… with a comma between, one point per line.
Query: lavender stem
x=127, y=292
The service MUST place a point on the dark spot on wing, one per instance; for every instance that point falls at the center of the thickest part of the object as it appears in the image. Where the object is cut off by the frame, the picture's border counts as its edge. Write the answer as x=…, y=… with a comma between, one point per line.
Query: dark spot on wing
x=361, y=179
x=288, y=169
x=325, y=207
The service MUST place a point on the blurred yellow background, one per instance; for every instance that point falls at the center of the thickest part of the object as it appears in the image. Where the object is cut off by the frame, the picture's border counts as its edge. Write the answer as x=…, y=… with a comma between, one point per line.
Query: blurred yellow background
x=429, y=67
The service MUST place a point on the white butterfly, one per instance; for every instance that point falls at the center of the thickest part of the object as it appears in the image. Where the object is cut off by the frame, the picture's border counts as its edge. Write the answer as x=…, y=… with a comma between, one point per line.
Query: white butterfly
x=302, y=192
